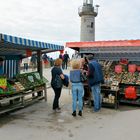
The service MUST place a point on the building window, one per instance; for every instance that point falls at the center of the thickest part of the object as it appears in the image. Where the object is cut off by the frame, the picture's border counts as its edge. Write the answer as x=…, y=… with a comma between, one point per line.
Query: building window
x=91, y=24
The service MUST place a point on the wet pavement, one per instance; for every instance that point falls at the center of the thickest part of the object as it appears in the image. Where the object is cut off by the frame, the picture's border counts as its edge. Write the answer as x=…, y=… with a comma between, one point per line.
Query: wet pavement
x=39, y=122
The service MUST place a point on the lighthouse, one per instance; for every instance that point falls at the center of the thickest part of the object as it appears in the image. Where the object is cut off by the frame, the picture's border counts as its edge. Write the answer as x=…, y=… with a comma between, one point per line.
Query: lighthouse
x=87, y=12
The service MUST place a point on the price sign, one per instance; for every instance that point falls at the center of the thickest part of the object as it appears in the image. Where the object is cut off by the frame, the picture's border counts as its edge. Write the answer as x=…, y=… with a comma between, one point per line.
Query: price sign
x=3, y=82
x=118, y=68
x=31, y=79
x=37, y=75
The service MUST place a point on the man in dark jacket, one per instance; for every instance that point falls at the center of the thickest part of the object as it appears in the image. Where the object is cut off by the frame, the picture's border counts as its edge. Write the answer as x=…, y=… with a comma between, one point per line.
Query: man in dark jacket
x=95, y=78
x=65, y=60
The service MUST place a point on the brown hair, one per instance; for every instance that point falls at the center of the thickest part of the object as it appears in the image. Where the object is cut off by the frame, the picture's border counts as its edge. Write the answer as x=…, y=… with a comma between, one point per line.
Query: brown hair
x=75, y=64
x=58, y=62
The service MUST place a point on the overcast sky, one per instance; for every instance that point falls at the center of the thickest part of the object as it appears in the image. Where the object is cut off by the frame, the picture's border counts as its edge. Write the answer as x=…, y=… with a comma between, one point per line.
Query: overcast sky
x=58, y=21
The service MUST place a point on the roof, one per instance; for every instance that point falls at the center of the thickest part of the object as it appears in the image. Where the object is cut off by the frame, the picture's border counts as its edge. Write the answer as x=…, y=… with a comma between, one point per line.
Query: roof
x=113, y=43
x=109, y=50
x=11, y=45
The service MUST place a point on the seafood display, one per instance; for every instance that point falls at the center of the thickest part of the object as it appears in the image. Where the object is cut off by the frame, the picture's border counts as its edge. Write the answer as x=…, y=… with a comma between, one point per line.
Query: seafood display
x=125, y=77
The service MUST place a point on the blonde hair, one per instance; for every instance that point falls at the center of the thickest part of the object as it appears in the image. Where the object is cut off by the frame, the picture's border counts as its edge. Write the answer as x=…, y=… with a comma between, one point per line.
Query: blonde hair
x=75, y=64
x=58, y=62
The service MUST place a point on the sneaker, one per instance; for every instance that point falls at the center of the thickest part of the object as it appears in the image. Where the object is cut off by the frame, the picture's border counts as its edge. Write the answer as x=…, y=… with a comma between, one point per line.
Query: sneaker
x=57, y=110
x=74, y=114
x=80, y=113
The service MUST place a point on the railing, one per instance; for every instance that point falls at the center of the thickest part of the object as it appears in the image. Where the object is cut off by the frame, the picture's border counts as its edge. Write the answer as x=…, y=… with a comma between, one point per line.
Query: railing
x=89, y=10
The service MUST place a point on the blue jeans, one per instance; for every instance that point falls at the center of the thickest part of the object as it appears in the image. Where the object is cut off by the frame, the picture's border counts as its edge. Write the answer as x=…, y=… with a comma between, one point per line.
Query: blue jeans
x=77, y=95
x=96, y=93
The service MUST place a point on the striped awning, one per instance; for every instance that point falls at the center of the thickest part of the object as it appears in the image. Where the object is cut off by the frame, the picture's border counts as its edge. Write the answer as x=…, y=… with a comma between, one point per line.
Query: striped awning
x=11, y=45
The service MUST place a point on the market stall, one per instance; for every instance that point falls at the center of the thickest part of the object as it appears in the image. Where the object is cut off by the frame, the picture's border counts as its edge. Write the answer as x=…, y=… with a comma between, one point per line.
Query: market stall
x=120, y=60
x=15, y=87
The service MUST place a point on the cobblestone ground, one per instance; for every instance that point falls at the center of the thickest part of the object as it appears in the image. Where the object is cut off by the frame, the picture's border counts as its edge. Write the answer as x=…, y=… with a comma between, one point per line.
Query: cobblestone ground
x=39, y=122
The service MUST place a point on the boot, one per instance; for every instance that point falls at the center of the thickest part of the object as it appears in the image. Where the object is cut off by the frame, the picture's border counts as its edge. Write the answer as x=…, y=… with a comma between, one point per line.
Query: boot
x=74, y=114
x=80, y=113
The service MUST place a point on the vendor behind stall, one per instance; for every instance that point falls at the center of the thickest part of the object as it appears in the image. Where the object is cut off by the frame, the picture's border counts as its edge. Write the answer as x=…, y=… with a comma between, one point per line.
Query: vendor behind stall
x=1, y=66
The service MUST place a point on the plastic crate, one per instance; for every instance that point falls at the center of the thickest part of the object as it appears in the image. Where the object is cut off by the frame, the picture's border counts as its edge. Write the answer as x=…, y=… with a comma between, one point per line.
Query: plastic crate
x=132, y=68
x=118, y=68
x=130, y=92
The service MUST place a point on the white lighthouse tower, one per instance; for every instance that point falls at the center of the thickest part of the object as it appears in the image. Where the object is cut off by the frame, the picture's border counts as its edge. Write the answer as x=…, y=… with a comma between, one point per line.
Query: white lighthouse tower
x=88, y=14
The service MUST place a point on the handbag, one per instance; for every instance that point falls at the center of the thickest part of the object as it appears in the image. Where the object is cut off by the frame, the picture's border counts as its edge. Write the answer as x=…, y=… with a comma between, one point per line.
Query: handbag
x=83, y=77
x=66, y=80
x=57, y=83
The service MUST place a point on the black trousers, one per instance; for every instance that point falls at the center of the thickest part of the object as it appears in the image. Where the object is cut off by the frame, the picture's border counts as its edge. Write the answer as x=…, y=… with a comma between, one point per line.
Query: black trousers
x=65, y=63
x=57, y=92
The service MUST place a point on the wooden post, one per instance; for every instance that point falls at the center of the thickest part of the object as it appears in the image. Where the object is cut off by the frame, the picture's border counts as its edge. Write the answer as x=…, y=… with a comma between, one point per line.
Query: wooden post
x=39, y=68
x=39, y=63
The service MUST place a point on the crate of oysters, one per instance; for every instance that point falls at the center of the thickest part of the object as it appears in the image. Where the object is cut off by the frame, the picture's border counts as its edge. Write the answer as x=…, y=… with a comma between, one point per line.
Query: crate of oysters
x=117, y=77
x=138, y=79
x=115, y=88
x=115, y=85
x=110, y=99
x=108, y=65
x=129, y=78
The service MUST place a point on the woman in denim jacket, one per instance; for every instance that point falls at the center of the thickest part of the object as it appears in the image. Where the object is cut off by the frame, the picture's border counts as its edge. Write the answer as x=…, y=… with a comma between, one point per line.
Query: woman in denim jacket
x=77, y=88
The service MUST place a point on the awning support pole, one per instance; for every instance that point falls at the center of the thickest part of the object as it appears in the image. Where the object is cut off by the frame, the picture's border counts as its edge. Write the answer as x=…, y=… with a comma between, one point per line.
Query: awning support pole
x=39, y=63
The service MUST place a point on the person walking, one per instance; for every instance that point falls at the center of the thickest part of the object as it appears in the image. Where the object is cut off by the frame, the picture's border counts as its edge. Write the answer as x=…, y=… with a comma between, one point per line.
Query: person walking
x=45, y=60
x=56, y=71
x=61, y=56
x=95, y=78
x=65, y=60
x=33, y=62
x=25, y=64
x=77, y=88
